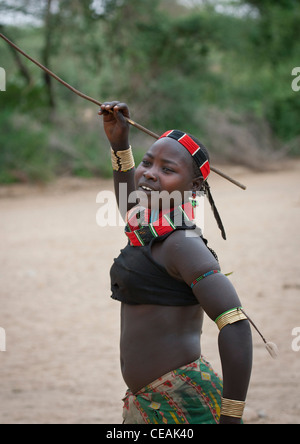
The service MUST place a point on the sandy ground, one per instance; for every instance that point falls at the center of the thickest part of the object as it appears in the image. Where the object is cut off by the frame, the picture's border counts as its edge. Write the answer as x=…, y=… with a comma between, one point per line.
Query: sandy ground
x=61, y=364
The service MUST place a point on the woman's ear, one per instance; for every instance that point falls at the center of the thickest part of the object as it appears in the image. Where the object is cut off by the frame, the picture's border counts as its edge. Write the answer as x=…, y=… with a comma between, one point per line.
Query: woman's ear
x=197, y=184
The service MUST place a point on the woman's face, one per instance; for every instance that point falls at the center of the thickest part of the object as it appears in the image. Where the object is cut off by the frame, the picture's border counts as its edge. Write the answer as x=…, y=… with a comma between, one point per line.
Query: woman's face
x=168, y=167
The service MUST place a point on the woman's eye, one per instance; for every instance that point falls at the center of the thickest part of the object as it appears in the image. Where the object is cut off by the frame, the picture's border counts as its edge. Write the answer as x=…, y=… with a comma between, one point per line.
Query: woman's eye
x=167, y=170
x=145, y=162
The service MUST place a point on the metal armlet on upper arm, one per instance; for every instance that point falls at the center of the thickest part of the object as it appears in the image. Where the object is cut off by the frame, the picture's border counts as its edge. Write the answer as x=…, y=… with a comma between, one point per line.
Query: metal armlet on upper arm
x=235, y=315
x=230, y=317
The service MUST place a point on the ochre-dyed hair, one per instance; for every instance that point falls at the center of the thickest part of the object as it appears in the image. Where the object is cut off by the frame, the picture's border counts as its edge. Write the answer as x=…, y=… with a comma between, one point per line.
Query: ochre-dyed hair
x=206, y=187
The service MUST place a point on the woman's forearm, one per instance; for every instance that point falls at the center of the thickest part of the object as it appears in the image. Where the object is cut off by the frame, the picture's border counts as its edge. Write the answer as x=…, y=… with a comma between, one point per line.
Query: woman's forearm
x=235, y=346
x=117, y=130
x=124, y=186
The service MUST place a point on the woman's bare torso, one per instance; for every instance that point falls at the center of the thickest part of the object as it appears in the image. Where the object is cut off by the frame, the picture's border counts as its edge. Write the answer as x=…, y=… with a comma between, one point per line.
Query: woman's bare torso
x=156, y=340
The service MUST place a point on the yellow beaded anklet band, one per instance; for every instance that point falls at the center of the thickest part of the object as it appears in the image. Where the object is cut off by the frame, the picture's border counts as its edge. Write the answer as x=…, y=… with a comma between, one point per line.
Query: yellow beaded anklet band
x=232, y=408
x=230, y=317
x=122, y=161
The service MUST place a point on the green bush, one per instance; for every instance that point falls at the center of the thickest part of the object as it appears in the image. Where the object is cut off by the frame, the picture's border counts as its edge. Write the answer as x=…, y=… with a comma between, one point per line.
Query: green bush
x=171, y=64
x=24, y=154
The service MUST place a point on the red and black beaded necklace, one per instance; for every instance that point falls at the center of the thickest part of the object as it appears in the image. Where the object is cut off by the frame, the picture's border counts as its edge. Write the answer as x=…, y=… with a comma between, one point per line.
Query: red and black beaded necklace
x=140, y=231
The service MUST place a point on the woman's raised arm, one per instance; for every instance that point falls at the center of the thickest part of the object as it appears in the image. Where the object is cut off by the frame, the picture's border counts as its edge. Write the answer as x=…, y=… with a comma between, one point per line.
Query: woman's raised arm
x=117, y=131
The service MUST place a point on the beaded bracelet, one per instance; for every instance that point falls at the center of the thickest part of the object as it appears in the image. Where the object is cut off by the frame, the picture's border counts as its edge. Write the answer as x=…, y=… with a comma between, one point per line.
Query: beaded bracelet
x=122, y=161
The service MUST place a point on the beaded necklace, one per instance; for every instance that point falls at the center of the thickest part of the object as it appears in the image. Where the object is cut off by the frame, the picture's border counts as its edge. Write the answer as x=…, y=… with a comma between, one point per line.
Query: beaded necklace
x=142, y=227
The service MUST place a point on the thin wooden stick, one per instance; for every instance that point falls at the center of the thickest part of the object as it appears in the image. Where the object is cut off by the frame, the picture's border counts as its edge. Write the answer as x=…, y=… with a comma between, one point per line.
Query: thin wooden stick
x=74, y=90
x=270, y=346
x=230, y=179
x=96, y=102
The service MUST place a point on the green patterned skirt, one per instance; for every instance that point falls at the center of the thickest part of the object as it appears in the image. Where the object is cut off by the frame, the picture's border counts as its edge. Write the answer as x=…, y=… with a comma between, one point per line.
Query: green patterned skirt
x=189, y=395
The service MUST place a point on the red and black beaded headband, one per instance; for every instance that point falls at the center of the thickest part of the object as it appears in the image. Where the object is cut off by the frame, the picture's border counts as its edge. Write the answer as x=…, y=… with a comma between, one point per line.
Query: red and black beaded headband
x=193, y=148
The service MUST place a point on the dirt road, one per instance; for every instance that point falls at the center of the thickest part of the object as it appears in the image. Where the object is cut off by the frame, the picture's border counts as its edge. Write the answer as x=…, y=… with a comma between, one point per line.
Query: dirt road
x=61, y=363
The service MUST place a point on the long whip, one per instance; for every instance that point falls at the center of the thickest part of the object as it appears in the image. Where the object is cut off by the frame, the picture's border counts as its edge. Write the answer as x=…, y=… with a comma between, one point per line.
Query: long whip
x=96, y=102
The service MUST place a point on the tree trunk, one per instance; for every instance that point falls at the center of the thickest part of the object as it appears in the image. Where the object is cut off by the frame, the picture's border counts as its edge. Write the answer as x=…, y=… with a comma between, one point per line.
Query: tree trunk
x=47, y=55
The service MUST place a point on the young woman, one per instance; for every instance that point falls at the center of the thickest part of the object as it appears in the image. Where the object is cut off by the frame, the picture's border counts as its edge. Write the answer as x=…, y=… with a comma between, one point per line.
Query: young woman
x=165, y=281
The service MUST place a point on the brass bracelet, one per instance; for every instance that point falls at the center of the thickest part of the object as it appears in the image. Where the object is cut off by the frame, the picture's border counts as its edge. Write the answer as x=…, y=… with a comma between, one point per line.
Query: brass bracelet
x=234, y=409
x=230, y=317
x=122, y=161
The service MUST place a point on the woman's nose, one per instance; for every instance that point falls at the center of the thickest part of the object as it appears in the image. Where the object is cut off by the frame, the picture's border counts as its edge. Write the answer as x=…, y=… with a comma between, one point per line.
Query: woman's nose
x=150, y=175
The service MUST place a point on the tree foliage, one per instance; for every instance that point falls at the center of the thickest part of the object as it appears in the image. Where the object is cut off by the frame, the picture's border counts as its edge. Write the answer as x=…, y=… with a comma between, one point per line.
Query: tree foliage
x=171, y=63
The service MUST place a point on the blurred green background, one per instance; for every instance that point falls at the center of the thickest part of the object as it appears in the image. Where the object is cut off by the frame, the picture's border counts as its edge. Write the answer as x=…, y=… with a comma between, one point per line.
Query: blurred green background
x=218, y=69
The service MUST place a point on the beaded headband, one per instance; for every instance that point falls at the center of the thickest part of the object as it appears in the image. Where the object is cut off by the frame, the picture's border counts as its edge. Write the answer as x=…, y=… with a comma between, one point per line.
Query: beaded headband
x=193, y=148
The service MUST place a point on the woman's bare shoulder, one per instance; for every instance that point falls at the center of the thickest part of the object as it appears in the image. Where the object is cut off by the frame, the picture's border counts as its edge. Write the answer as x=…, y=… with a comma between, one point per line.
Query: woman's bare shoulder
x=185, y=249
x=186, y=241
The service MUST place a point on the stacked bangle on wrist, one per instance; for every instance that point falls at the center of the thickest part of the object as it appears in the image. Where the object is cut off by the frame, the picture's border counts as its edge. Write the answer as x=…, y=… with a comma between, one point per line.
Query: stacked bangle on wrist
x=122, y=161
x=234, y=409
